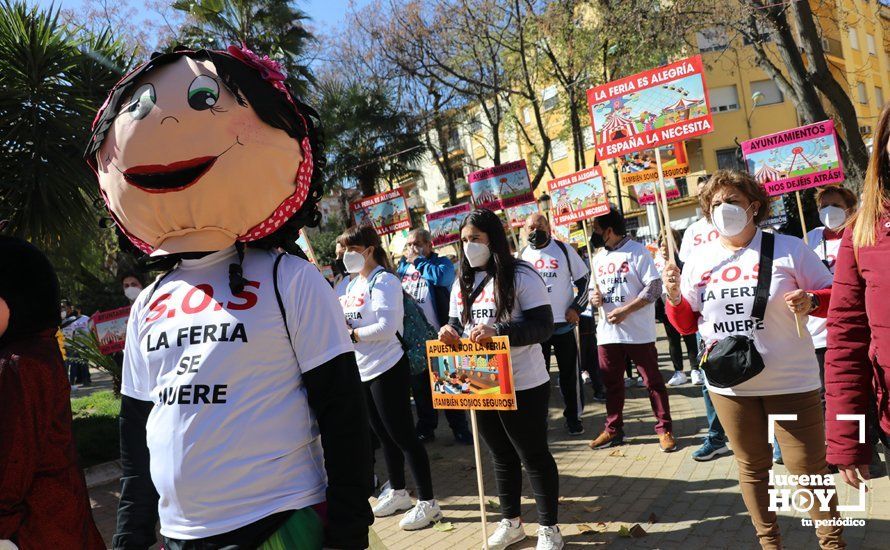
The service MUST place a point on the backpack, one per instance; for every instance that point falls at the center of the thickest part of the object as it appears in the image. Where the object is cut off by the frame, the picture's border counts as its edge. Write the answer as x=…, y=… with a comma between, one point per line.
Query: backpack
x=417, y=330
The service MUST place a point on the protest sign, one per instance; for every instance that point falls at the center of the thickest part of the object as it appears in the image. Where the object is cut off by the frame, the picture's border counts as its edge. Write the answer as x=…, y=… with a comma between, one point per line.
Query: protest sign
x=640, y=167
x=306, y=246
x=503, y=186
x=516, y=216
x=472, y=376
x=562, y=232
x=578, y=196
x=645, y=192
x=444, y=225
x=649, y=109
x=777, y=214
x=795, y=159
x=577, y=237
x=110, y=328
x=385, y=212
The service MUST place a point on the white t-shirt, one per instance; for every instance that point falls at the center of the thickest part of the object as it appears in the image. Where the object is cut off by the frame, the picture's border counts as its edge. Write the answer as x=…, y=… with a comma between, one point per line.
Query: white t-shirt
x=699, y=233
x=419, y=289
x=620, y=276
x=720, y=284
x=550, y=262
x=827, y=251
x=529, y=370
x=376, y=320
x=231, y=436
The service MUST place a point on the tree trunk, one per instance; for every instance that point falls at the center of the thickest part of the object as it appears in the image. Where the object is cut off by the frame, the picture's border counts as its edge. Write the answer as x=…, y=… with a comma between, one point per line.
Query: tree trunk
x=807, y=78
x=856, y=154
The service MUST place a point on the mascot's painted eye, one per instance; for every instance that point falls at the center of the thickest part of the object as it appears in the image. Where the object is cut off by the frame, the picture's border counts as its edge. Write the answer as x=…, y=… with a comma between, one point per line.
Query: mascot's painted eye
x=203, y=93
x=142, y=101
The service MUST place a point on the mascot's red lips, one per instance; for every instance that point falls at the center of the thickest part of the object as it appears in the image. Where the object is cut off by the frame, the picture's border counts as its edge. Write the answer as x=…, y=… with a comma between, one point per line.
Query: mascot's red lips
x=159, y=178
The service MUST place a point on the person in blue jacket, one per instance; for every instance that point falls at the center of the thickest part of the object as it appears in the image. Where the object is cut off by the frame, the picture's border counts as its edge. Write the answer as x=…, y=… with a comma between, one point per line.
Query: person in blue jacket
x=428, y=277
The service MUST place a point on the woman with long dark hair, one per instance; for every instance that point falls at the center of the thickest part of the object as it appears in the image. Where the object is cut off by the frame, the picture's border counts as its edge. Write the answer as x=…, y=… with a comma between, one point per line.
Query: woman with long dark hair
x=374, y=311
x=499, y=295
x=857, y=358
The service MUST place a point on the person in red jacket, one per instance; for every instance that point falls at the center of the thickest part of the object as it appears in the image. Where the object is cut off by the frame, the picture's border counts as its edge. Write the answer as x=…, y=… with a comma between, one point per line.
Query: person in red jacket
x=43, y=497
x=857, y=369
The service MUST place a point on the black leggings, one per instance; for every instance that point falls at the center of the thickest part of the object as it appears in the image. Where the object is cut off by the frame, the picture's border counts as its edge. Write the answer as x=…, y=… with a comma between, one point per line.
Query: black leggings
x=518, y=439
x=675, y=343
x=565, y=347
x=391, y=419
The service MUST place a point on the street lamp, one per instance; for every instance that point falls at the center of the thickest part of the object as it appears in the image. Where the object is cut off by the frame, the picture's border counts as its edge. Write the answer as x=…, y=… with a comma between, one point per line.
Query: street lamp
x=545, y=201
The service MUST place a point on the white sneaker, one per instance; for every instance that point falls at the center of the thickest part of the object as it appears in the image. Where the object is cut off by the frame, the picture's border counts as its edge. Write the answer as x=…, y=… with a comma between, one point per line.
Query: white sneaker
x=640, y=383
x=585, y=377
x=423, y=513
x=629, y=382
x=390, y=502
x=505, y=535
x=697, y=378
x=678, y=379
x=549, y=538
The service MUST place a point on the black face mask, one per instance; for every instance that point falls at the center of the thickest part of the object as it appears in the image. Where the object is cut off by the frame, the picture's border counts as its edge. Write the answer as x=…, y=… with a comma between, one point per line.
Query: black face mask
x=596, y=240
x=339, y=266
x=538, y=238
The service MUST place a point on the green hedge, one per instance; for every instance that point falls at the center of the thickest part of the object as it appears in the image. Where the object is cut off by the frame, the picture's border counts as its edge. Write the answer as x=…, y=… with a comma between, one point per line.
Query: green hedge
x=95, y=428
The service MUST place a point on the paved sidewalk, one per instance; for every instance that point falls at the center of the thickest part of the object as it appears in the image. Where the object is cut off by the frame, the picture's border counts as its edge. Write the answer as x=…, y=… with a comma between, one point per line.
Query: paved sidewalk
x=678, y=502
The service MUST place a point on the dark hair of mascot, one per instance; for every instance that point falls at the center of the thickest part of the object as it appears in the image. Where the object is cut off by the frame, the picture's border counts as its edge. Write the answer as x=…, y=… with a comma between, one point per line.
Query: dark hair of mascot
x=270, y=105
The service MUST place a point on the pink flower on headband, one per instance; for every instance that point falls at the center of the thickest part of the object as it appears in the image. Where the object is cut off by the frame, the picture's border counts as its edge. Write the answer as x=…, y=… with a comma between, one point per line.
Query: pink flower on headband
x=269, y=69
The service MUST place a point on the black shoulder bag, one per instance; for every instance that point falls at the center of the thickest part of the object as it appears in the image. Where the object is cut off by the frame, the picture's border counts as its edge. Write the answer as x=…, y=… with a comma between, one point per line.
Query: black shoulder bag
x=734, y=359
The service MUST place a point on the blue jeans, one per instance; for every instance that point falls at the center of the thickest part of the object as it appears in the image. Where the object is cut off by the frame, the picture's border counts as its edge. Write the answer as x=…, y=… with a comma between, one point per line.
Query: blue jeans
x=716, y=435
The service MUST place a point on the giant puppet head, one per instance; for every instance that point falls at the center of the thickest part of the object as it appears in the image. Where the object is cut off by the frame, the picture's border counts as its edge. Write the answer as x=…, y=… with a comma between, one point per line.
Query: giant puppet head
x=197, y=150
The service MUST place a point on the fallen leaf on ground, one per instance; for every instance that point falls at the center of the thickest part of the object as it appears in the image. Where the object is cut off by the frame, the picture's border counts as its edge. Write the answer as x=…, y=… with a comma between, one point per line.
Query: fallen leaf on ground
x=653, y=518
x=584, y=528
x=443, y=526
x=623, y=531
x=640, y=458
x=469, y=467
x=492, y=504
x=601, y=527
x=593, y=509
x=637, y=532
x=617, y=452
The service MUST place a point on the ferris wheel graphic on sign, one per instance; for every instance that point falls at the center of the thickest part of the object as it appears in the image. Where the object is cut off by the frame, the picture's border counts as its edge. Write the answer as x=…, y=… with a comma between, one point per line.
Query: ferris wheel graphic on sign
x=649, y=109
x=803, y=157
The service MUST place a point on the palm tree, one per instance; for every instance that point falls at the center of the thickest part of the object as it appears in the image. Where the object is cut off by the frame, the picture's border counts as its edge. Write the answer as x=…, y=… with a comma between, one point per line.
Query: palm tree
x=369, y=139
x=271, y=27
x=53, y=78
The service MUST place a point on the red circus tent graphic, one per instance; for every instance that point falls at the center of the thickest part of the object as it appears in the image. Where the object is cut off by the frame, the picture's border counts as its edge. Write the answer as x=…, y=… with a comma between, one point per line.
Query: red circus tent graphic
x=617, y=126
x=564, y=206
x=766, y=173
x=682, y=107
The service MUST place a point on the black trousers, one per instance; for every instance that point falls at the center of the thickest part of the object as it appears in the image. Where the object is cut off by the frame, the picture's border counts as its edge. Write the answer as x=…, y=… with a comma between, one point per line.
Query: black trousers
x=427, y=416
x=389, y=410
x=676, y=341
x=565, y=348
x=518, y=439
x=590, y=360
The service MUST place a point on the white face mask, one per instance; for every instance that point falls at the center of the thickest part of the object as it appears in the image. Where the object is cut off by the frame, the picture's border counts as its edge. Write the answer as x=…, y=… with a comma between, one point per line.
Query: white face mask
x=132, y=292
x=353, y=261
x=832, y=217
x=477, y=254
x=729, y=219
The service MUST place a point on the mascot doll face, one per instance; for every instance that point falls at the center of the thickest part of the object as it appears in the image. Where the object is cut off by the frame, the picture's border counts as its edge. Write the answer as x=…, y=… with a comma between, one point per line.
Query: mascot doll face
x=186, y=166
